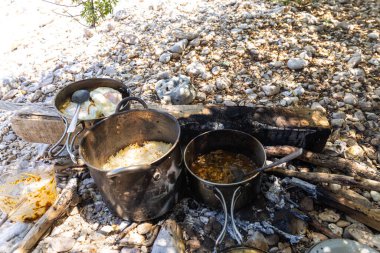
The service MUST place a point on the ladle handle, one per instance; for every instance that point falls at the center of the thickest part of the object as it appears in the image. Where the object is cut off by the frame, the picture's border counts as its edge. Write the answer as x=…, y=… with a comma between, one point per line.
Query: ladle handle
x=129, y=169
x=74, y=120
x=124, y=104
x=285, y=159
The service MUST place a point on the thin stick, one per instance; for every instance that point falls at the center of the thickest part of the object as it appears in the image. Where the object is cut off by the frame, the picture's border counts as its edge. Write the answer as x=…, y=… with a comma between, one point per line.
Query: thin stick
x=317, y=177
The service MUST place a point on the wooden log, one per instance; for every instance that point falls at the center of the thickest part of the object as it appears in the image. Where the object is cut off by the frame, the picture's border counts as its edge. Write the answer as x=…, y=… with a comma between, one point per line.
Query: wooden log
x=52, y=214
x=347, y=166
x=299, y=127
x=315, y=177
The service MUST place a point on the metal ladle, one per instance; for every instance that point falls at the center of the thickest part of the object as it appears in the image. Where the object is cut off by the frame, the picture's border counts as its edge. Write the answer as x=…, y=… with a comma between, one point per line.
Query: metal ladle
x=78, y=97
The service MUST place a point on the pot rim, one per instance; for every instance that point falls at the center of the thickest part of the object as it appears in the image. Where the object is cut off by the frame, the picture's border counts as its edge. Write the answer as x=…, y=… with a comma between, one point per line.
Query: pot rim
x=188, y=168
x=79, y=82
x=157, y=161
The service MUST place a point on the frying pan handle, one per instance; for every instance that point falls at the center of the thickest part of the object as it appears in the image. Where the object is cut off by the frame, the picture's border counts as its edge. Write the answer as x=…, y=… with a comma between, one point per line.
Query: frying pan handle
x=235, y=196
x=131, y=169
x=125, y=105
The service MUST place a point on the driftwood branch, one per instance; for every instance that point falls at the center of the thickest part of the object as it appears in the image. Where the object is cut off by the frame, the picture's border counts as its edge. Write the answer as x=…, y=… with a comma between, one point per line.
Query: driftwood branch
x=316, y=177
x=52, y=214
x=347, y=166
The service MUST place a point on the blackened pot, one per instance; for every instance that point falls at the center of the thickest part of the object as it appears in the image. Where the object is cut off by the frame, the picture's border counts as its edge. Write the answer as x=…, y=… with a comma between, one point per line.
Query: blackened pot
x=140, y=192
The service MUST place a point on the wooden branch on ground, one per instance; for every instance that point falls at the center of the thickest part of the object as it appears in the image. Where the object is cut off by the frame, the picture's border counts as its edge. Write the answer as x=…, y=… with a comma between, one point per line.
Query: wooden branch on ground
x=347, y=166
x=316, y=177
x=52, y=214
x=299, y=127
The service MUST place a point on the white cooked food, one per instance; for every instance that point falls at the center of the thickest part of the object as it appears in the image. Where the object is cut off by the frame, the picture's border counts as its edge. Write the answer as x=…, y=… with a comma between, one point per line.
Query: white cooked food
x=102, y=103
x=136, y=154
x=106, y=99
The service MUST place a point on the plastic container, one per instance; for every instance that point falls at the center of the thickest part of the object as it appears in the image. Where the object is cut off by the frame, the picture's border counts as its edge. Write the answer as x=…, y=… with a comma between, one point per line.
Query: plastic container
x=27, y=196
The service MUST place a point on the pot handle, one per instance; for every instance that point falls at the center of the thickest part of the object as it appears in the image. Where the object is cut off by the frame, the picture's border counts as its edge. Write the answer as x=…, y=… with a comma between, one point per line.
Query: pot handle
x=228, y=211
x=125, y=105
x=70, y=144
x=130, y=169
x=52, y=152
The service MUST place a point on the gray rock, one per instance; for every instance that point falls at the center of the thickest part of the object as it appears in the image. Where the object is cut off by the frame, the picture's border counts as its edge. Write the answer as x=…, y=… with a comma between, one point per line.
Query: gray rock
x=129, y=39
x=317, y=106
x=196, y=69
x=338, y=122
x=373, y=35
x=296, y=63
x=48, y=88
x=165, y=57
x=201, y=96
x=308, y=18
x=62, y=244
x=229, y=103
x=10, y=94
x=329, y=216
x=35, y=96
x=219, y=98
x=357, y=72
x=375, y=196
x=179, y=34
x=130, y=250
x=339, y=115
x=271, y=90
x=179, y=47
x=74, y=69
x=362, y=234
x=354, y=60
x=222, y=83
x=48, y=79
x=106, y=230
x=109, y=71
x=177, y=90
x=9, y=137
x=120, y=15
x=350, y=99
x=359, y=115
x=215, y=70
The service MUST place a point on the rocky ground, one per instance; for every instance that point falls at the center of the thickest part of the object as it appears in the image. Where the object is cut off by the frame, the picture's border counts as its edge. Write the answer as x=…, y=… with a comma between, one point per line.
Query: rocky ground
x=324, y=55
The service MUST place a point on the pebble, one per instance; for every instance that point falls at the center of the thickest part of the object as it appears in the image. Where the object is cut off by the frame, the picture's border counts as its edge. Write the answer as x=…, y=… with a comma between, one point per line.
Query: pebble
x=317, y=237
x=335, y=229
x=317, y=106
x=375, y=196
x=165, y=57
x=297, y=63
x=271, y=90
x=179, y=47
x=339, y=115
x=10, y=137
x=195, y=69
x=215, y=70
x=343, y=223
x=350, y=99
x=373, y=35
x=133, y=238
x=222, y=83
x=329, y=216
x=106, y=230
x=354, y=60
x=144, y=228
x=129, y=38
x=257, y=240
x=62, y=244
x=338, y=122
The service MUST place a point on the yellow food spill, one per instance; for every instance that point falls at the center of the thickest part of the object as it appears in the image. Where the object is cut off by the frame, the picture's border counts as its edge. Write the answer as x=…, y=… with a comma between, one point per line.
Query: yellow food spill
x=222, y=166
x=136, y=154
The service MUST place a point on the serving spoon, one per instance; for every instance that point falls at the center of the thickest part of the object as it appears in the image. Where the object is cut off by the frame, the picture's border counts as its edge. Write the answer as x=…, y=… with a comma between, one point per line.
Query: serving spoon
x=78, y=97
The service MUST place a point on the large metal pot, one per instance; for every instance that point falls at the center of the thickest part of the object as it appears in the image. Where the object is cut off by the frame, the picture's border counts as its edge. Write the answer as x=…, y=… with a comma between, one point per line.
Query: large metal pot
x=136, y=192
x=230, y=195
x=66, y=93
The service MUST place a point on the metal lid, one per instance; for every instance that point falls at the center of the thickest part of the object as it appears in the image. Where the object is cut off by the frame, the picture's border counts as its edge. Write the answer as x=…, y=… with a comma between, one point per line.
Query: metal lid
x=341, y=246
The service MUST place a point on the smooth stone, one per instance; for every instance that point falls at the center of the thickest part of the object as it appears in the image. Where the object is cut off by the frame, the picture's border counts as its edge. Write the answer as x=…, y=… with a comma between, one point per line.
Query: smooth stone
x=350, y=99
x=296, y=63
x=373, y=35
x=106, y=230
x=335, y=229
x=354, y=60
x=222, y=83
x=129, y=38
x=10, y=137
x=375, y=196
x=317, y=106
x=343, y=223
x=329, y=216
x=317, y=237
x=177, y=90
x=270, y=90
x=337, y=122
x=62, y=244
x=179, y=47
x=165, y=57
x=195, y=69
x=350, y=230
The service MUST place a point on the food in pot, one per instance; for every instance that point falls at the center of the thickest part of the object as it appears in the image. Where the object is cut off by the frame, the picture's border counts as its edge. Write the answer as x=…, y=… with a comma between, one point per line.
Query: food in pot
x=222, y=166
x=136, y=154
x=103, y=102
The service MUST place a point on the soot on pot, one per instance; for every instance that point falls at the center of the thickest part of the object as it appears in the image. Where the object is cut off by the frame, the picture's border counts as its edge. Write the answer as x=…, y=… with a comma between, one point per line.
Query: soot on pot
x=222, y=166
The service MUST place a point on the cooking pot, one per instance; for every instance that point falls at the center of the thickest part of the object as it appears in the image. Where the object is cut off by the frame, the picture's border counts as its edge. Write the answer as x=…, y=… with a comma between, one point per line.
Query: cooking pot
x=229, y=195
x=140, y=192
x=66, y=93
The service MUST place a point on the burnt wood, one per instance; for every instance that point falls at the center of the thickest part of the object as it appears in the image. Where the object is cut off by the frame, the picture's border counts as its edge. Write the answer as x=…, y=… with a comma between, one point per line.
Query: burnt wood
x=300, y=127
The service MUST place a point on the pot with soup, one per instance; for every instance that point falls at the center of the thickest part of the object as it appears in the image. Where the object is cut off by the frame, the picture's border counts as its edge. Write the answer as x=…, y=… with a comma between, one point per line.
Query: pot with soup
x=134, y=157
